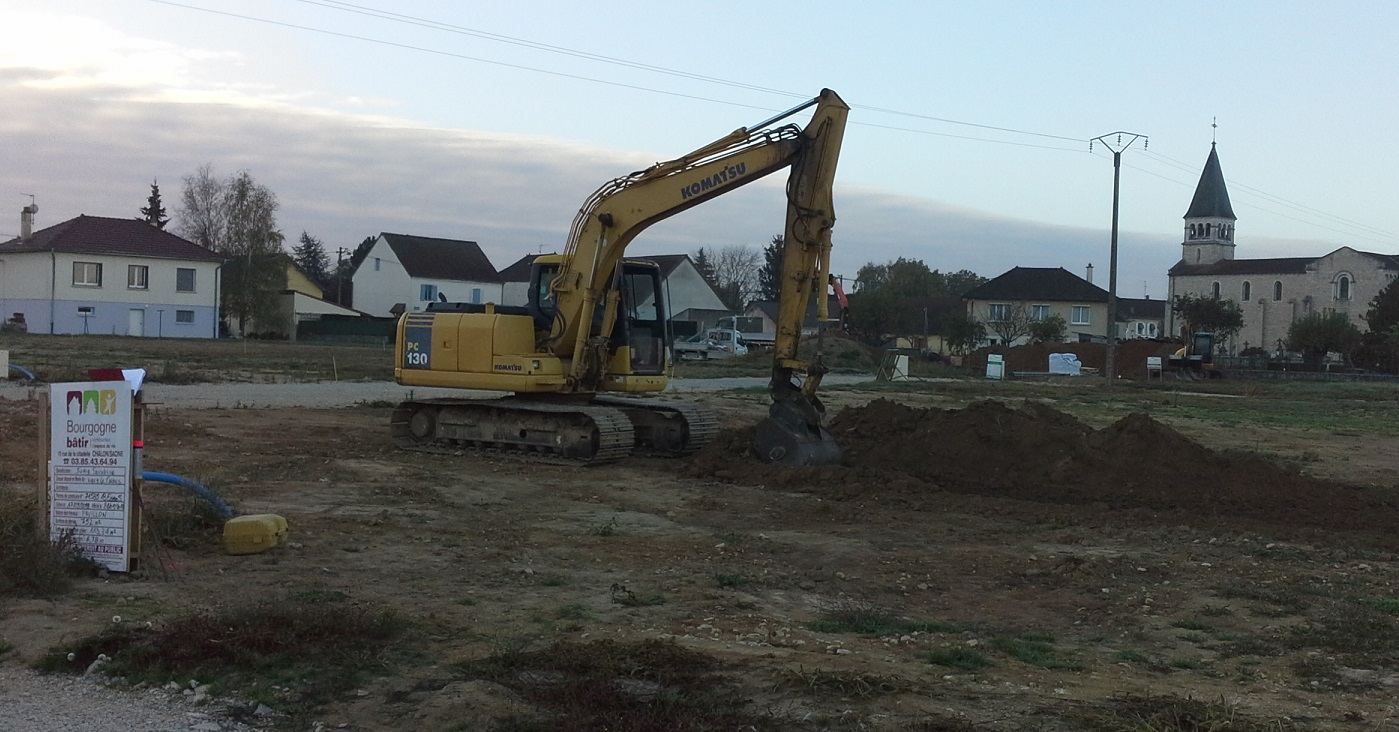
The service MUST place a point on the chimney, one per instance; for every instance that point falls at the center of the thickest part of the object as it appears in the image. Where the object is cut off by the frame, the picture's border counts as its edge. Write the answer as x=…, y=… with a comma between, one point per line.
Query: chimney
x=1089, y=276
x=26, y=220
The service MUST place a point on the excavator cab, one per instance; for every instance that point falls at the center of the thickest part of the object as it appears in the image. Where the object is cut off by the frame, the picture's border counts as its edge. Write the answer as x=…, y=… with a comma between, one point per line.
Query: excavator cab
x=639, y=334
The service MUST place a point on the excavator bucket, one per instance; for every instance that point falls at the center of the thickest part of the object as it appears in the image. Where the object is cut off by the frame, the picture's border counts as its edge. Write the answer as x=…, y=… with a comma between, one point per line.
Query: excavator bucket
x=792, y=434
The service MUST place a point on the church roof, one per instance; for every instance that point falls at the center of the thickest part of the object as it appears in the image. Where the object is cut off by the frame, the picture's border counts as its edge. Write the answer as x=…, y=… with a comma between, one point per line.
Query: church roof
x=1273, y=266
x=1211, y=197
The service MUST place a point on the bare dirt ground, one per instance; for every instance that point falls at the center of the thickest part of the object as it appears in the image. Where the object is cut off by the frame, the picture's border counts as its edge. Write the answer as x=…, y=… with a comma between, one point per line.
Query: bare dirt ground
x=1026, y=569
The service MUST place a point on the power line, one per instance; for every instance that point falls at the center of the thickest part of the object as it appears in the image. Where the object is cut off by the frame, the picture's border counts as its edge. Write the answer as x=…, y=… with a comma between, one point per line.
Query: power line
x=1316, y=213
x=427, y=23
x=486, y=35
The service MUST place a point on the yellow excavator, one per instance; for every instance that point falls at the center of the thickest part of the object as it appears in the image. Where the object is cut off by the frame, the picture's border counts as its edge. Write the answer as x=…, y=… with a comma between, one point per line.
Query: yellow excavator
x=594, y=326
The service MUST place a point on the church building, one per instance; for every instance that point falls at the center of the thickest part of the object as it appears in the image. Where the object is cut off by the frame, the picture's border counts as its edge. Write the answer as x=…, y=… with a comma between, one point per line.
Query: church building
x=1272, y=292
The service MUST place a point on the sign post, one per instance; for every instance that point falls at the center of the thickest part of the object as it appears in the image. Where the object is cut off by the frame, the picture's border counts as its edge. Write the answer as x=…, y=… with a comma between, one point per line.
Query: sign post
x=91, y=469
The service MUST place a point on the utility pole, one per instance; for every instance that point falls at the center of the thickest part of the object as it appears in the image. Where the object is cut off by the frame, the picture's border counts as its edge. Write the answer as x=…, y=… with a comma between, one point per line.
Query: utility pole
x=340, y=276
x=1113, y=141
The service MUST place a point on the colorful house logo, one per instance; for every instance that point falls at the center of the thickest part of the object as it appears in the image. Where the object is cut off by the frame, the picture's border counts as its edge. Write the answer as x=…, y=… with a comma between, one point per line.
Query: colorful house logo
x=92, y=401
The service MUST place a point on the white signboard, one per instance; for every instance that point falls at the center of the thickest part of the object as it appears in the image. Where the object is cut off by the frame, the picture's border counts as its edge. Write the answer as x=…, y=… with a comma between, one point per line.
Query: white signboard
x=995, y=366
x=90, y=469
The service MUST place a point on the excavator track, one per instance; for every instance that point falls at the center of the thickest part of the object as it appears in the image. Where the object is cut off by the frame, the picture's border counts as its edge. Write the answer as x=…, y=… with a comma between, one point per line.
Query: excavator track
x=575, y=434
x=668, y=429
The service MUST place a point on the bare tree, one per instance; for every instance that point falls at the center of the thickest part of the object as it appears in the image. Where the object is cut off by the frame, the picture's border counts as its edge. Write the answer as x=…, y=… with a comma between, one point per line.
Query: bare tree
x=736, y=270
x=237, y=218
x=1009, y=321
x=201, y=216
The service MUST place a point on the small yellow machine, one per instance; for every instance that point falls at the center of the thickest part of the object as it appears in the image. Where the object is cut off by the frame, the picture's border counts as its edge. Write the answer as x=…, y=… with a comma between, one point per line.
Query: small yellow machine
x=594, y=326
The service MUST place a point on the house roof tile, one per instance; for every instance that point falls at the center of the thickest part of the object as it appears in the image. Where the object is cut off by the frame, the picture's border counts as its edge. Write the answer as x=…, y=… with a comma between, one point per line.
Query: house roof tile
x=103, y=235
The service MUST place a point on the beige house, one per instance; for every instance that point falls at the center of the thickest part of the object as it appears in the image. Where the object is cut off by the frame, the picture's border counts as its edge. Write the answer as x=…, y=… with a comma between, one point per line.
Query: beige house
x=298, y=300
x=1034, y=294
x=1272, y=292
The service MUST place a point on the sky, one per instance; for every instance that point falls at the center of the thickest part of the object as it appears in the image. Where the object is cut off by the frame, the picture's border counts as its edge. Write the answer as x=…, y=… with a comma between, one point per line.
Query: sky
x=967, y=145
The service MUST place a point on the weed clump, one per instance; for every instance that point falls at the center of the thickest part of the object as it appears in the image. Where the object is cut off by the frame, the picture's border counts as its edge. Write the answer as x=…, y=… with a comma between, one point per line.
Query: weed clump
x=651, y=686
x=311, y=647
x=30, y=564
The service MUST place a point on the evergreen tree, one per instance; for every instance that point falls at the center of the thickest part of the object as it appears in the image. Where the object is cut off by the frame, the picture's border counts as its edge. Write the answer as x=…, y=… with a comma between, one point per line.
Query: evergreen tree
x=1206, y=314
x=154, y=211
x=310, y=255
x=1383, y=314
x=1316, y=334
x=705, y=267
x=770, y=276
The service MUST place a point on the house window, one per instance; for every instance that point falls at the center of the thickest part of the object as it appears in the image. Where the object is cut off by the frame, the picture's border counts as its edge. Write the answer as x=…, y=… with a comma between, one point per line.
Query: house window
x=376, y=264
x=1343, y=287
x=136, y=275
x=1277, y=291
x=184, y=280
x=1151, y=330
x=476, y=295
x=184, y=316
x=1214, y=290
x=427, y=293
x=1141, y=329
x=1248, y=290
x=87, y=274
x=1082, y=315
x=998, y=312
x=1039, y=313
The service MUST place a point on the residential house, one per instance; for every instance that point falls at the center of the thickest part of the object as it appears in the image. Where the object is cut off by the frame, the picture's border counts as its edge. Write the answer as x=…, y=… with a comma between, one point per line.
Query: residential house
x=403, y=273
x=1034, y=294
x=299, y=299
x=94, y=274
x=1140, y=318
x=691, y=302
x=764, y=313
x=1272, y=292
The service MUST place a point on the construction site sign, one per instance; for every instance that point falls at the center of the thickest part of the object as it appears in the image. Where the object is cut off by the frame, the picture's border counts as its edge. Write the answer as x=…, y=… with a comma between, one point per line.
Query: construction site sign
x=90, y=470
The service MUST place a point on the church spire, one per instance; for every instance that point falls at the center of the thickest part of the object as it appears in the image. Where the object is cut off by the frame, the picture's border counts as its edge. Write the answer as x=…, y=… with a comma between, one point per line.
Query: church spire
x=1209, y=222
x=1211, y=195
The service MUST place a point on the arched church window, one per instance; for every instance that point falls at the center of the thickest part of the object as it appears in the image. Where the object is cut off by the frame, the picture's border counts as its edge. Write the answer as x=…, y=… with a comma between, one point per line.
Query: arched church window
x=1277, y=291
x=1248, y=290
x=1214, y=290
x=1343, y=287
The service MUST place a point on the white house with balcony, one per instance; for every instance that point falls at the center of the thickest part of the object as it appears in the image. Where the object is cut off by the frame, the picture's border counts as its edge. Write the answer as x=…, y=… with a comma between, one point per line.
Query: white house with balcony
x=108, y=276
x=403, y=273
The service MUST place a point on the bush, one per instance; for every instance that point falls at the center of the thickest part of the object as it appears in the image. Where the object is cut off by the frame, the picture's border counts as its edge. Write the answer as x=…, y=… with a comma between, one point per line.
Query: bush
x=31, y=565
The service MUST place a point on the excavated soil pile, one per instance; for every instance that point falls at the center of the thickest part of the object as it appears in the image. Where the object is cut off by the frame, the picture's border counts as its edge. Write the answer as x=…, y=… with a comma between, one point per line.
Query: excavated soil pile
x=911, y=457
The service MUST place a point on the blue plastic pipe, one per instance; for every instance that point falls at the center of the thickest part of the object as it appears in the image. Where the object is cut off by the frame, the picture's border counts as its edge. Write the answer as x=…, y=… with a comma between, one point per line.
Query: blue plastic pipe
x=24, y=371
x=198, y=489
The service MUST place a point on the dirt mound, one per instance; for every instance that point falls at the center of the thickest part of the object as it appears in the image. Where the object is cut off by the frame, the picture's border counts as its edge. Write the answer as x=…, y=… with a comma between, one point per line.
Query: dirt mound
x=916, y=457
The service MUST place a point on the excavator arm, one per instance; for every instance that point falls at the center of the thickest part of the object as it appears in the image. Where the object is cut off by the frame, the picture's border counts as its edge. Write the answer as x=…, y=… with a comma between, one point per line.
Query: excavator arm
x=585, y=291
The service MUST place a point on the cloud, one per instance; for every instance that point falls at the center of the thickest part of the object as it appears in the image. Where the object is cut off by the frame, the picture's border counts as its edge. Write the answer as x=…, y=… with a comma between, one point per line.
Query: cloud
x=341, y=178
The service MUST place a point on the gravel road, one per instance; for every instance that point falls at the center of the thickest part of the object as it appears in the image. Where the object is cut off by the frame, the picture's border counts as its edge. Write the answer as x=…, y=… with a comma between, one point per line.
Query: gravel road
x=30, y=702
x=350, y=393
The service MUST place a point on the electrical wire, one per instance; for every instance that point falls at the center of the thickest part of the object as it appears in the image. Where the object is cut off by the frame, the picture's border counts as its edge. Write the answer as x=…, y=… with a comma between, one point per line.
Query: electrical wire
x=347, y=7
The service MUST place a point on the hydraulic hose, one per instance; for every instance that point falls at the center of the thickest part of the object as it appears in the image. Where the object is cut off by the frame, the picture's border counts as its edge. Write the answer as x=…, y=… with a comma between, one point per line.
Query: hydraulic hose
x=197, y=488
